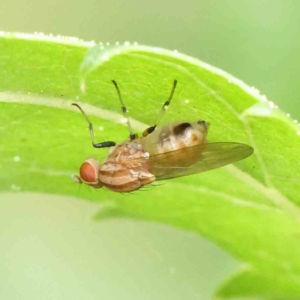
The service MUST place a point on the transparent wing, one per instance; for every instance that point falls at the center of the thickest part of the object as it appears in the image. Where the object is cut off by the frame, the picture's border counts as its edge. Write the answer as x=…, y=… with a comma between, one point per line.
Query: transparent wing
x=196, y=159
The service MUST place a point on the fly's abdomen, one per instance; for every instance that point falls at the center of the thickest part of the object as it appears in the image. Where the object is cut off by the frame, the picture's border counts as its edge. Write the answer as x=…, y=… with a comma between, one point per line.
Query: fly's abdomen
x=176, y=136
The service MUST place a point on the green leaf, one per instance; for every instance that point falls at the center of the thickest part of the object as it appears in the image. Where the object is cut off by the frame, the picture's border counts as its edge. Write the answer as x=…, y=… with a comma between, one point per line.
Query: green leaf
x=242, y=285
x=250, y=209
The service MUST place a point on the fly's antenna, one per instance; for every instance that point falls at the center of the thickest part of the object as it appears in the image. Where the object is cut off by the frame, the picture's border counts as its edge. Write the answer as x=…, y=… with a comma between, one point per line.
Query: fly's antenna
x=132, y=135
x=95, y=145
x=162, y=111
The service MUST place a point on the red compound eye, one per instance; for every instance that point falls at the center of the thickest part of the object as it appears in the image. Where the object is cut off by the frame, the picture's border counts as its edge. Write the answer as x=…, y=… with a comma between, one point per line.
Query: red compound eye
x=89, y=171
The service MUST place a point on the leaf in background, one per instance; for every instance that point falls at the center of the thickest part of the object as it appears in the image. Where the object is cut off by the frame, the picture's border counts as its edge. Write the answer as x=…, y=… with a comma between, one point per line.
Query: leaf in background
x=250, y=209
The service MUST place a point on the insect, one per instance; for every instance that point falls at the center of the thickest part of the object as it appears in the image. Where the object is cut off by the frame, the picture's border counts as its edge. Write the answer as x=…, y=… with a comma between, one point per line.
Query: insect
x=174, y=150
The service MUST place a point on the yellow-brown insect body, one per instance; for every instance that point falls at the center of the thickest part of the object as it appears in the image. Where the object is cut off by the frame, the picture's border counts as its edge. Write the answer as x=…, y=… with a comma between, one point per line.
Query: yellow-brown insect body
x=126, y=168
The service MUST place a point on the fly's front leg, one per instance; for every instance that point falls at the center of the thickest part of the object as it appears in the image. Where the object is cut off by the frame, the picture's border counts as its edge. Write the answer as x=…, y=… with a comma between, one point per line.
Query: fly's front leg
x=162, y=111
x=96, y=145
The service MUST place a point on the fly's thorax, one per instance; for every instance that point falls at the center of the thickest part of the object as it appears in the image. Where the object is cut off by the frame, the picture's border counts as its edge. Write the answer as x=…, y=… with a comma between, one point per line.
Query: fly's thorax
x=127, y=151
x=176, y=136
x=126, y=168
x=120, y=177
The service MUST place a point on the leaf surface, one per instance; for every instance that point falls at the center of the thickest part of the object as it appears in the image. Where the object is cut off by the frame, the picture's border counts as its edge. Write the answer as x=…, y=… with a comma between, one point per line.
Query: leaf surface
x=250, y=209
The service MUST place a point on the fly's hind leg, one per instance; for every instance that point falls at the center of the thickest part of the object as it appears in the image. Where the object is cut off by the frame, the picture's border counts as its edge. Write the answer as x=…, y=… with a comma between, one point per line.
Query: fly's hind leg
x=132, y=135
x=162, y=111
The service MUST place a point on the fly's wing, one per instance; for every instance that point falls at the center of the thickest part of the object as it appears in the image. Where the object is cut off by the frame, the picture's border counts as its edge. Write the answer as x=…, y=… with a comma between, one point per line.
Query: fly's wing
x=196, y=159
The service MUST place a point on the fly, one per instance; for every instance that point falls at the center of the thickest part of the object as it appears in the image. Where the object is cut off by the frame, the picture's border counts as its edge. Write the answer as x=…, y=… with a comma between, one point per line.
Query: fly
x=174, y=150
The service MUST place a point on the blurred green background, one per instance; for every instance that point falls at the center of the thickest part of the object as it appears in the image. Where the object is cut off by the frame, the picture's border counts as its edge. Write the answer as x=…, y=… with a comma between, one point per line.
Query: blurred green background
x=50, y=246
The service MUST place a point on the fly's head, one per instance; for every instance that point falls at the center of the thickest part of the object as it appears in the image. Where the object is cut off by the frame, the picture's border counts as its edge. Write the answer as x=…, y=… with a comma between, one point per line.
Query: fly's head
x=89, y=173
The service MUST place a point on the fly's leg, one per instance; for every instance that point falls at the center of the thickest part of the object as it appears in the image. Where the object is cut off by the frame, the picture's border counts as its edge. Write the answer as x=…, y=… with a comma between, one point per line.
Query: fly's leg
x=162, y=111
x=132, y=135
x=96, y=145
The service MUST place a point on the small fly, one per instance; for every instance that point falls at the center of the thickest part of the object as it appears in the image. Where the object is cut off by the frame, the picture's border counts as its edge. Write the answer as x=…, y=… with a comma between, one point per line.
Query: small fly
x=174, y=150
